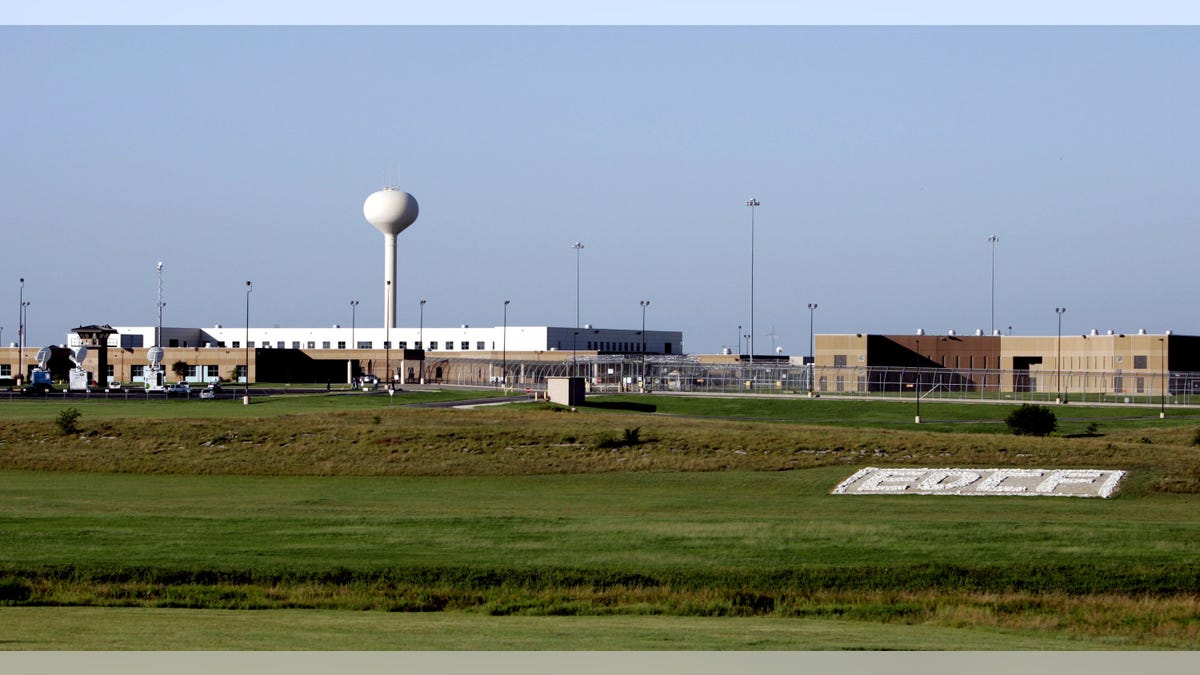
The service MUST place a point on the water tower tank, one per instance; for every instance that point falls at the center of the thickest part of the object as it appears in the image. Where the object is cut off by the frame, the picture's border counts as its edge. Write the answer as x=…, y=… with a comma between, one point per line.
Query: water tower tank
x=390, y=211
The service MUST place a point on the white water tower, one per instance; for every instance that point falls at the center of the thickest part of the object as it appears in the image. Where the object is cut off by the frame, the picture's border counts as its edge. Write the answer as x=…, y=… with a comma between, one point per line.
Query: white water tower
x=390, y=211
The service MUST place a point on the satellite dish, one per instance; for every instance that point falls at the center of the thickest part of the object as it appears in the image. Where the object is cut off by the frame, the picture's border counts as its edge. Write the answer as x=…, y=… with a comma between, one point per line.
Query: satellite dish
x=79, y=355
x=43, y=357
x=155, y=355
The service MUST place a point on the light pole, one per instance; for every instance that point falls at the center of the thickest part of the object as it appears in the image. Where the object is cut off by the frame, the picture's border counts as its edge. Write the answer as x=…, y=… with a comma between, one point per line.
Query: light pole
x=25, y=336
x=504, y=346
x=578, y=246
x=353, y=316
x=1058, y=359
x=739, y=342
x=387, y=341
x=1162, y=369
x=644, y=304
x=161, y=304
x=753, y=204
x=421, y=339
x=993, y=239
x=21, y=332
x=812, y=306
x=246, y=397
x=574, y=363
x=917, y=386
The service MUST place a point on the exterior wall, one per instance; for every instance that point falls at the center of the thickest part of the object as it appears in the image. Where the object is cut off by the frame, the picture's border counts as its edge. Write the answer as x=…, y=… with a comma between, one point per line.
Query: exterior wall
x=450, y=340
x=840, y=350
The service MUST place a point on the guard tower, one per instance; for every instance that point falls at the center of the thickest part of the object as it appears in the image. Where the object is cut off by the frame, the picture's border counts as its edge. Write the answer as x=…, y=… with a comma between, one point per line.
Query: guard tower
x=96, y=337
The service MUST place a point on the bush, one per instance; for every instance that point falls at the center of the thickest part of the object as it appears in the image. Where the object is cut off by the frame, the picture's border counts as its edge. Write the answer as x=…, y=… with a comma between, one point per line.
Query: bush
x=13, y=589
x=67, y=421
x=1032, y=420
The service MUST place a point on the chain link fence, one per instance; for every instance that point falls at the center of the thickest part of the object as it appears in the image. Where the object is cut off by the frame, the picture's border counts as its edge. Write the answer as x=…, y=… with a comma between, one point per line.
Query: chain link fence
x=685, y=375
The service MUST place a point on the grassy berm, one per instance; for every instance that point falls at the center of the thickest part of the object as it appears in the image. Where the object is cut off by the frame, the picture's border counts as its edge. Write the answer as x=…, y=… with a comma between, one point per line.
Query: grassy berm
x=538, y=510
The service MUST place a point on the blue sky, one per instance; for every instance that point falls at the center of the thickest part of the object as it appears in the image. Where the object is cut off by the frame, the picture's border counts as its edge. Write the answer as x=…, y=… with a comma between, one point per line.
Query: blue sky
x=883, y=156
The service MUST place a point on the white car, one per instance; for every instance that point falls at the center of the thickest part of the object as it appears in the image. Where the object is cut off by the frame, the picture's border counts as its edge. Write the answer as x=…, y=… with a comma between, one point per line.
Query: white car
x=210, y=391
x=179, y=389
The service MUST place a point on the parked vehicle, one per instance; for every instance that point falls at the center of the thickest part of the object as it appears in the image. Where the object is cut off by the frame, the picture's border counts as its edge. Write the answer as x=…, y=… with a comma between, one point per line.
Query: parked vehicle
x=210, y=391
x=114, y=386
x=179, y=389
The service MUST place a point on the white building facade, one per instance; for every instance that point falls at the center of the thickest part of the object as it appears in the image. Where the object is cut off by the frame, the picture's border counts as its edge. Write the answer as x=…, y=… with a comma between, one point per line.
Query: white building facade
x=461, y=340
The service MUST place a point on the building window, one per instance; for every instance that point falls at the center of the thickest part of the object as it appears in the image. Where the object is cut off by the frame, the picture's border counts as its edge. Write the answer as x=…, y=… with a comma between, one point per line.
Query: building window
x=191, y=371
x=173, y=343
x=240, y=371
x=137, y=371
x=450, y=344
x=341, y=344
x=403, y=344
x=312, y=345
x=325, y=344
x=279, y=344
x=433, y=345
x=1118, y=384
x=1139, y=362
x=236, y=344
x=1141, y=384
x=250, y=344
x=387, y=344
x=839, y=360
x=841, y=383
x=364, y=344
x=417, y=344
x=5, y=370
x=479, y=345
x=295, y=344
x=465, y=345
x=212, y=373
x=221, y=343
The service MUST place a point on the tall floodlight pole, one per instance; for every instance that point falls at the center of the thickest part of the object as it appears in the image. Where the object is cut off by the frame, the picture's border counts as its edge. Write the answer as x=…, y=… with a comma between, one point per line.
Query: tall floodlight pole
x=574, y=362
x=753, y=204
x=644, y=304
x=421, y=339
x=578, y=246
x=739, y=342
x=353, y=317
x=21, y=331
x=811, y=356
x=161, y=304
x=1162, y=370
x=387, y=341
x=993, y=239
x=1058, y=359
x=504, y=346
x=25, y=337
x=246, y=397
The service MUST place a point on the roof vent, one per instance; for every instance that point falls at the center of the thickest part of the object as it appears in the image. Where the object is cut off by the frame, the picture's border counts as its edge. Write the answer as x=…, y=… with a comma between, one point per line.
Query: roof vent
x=920, y=331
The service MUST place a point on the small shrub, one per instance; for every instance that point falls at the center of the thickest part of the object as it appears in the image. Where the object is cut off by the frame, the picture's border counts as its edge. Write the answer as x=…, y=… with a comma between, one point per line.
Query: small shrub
x=1032, y=420
x=376, y=419
x=631, y=435
x=607, y=439
x=1196, y=437
x=1092, y=430
x=67, y=421
x=13, y=589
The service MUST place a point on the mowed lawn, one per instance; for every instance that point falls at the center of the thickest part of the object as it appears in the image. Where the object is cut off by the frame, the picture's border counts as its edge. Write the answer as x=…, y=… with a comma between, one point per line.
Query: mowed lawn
x=706, y=522
x=686, y=528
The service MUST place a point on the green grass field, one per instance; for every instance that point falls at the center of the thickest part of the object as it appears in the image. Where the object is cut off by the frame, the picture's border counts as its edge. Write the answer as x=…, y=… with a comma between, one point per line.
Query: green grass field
x=528, y=527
